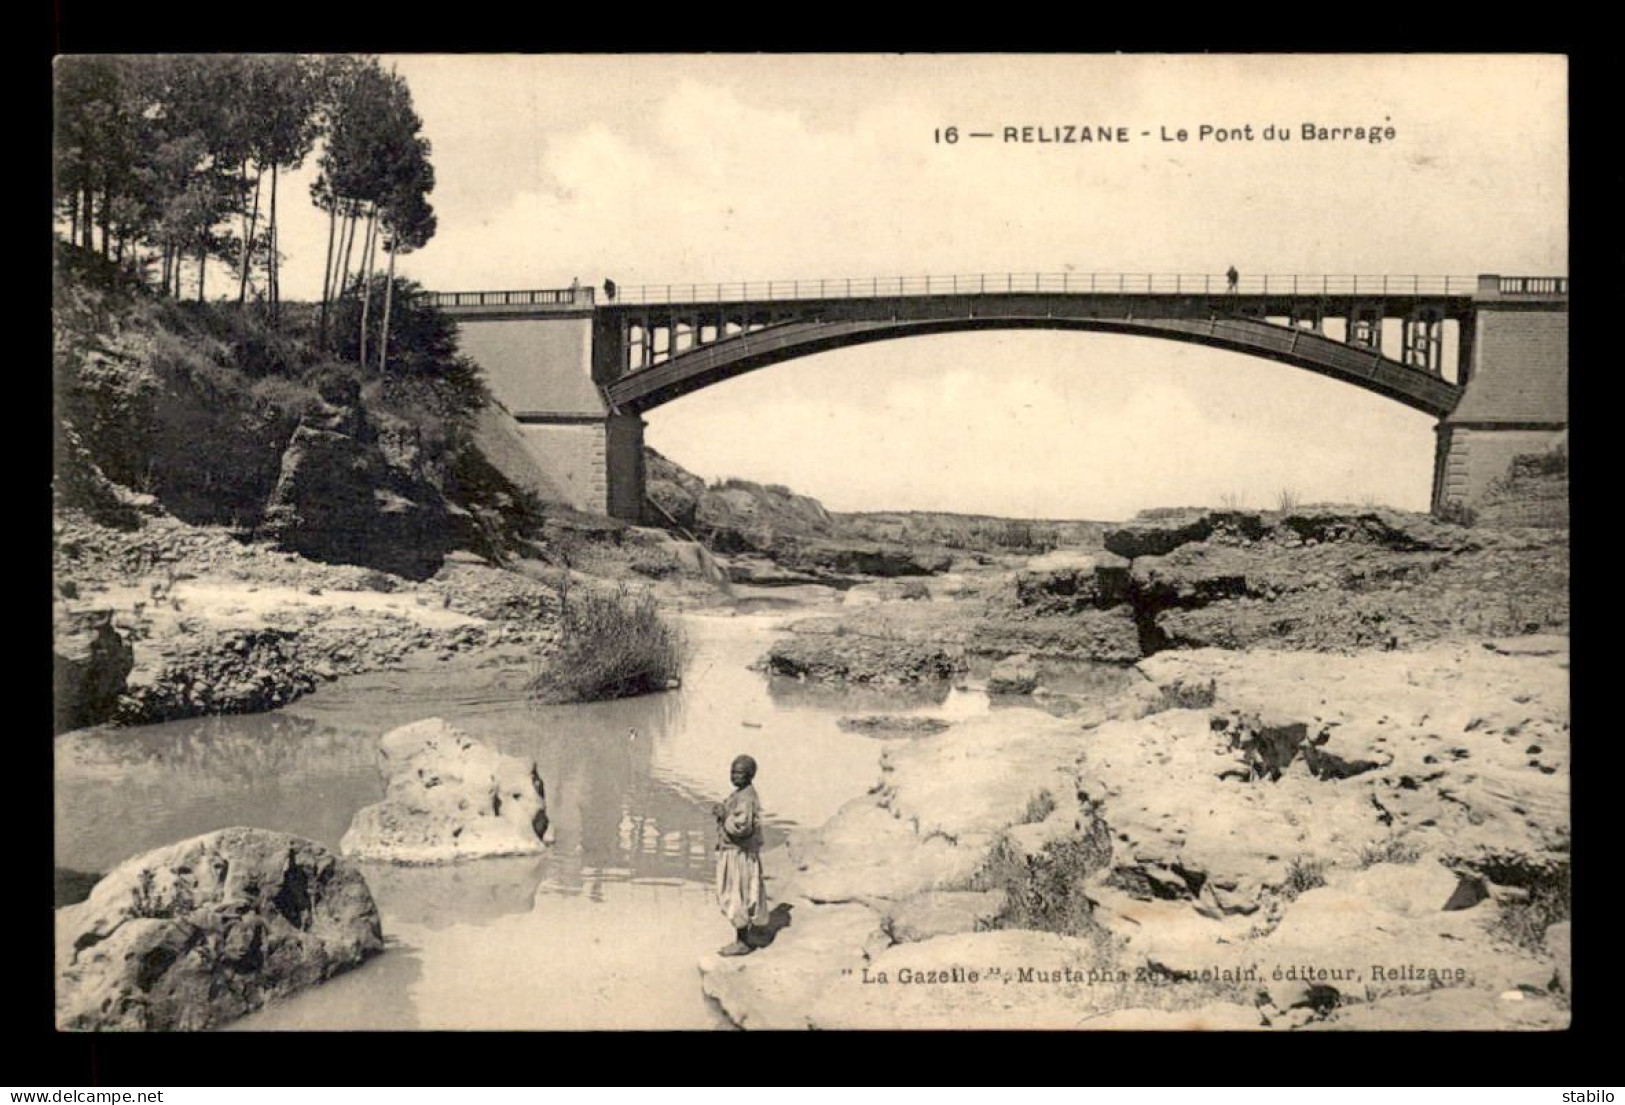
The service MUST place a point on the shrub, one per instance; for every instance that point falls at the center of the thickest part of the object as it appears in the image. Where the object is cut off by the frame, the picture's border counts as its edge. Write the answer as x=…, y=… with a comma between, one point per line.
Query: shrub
x=1524, y=920
x=1046, y=890
x=654, y=563
x=1287, y=499
x=611, y=645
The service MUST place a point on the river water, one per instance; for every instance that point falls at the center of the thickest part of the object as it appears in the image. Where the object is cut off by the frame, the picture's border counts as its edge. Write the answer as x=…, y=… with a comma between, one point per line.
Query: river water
x=601, y=931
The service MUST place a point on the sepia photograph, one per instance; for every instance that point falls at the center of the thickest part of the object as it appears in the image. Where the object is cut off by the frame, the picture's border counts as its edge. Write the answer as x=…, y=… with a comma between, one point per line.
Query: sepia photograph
x=709, y=542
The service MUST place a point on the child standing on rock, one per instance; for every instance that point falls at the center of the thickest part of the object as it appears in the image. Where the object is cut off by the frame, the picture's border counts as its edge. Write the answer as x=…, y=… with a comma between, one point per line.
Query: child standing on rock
x=740, y=891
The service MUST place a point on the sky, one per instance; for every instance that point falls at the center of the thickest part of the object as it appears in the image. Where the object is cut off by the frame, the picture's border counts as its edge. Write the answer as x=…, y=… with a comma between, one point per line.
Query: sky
x=708, y=168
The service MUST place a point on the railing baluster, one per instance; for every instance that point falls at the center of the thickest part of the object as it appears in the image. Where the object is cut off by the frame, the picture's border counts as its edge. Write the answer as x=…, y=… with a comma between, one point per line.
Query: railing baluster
x=1144, y=283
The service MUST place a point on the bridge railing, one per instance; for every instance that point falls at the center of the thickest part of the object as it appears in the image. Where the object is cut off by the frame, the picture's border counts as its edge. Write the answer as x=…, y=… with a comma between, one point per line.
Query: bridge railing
x=538, y=297
x=1533, y=285
x=1048, y=283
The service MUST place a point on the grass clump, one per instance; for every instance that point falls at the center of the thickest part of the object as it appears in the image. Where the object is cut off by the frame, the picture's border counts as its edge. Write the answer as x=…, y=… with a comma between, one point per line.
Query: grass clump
x=1303, y=874
x=612, y=644
x=1039, y=806
x=1392, y=850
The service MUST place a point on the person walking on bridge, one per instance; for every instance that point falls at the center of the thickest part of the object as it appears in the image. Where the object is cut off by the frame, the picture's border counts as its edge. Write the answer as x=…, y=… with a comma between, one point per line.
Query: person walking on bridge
x=1232, y=280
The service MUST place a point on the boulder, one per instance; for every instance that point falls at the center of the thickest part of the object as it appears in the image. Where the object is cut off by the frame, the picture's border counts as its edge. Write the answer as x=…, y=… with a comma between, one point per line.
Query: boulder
x=448, y=797
x=90, y=662
x=194, y=934
x=1013, y=675
x=337, y=499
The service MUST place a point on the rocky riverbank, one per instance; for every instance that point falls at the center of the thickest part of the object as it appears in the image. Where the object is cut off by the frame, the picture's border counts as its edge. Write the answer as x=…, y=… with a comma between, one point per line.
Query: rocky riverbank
x=1332, y=793
x=1320, y=579
x=167, y=620
x=1259, y=840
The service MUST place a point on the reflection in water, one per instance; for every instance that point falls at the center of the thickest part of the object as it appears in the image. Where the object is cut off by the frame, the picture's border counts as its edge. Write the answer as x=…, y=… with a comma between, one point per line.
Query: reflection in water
x=601, y=930
x=120, y=792
x=438, y=897
x=376, y=995
x=789, y=692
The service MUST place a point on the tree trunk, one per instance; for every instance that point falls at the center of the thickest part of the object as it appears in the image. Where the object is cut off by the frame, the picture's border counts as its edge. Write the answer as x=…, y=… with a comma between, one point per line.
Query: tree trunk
x=202, y=267
x=366, y=283
x=349, y=244
x=107, y=210
x=242, y=249
x=327, y=269
x=251, y=220
x=389, y=296
x=275, y=260
x=90, y=218
x=73, y=219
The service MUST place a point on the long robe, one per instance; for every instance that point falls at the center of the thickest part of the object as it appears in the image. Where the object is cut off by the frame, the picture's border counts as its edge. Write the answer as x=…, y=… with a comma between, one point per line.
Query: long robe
x=740, y=891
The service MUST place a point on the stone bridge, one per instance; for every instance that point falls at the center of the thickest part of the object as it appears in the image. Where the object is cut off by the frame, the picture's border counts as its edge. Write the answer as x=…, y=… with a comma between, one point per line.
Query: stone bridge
x=1487, y=356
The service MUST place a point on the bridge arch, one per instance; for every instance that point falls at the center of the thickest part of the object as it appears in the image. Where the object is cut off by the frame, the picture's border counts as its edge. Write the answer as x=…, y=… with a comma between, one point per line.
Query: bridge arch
x=705, y=365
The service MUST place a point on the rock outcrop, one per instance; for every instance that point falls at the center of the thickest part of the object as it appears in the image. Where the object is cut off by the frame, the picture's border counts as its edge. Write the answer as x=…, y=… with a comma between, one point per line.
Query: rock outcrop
x=338, y=500
x=197, y=933
x=1319, y=579
x=448, y=798
x=856, y=658
x=1013, y=675
x=90, y=662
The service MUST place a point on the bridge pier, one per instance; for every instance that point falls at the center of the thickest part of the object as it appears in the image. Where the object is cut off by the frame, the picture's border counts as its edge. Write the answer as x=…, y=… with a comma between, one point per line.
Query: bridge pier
x=623, y=463
x=1516, y=365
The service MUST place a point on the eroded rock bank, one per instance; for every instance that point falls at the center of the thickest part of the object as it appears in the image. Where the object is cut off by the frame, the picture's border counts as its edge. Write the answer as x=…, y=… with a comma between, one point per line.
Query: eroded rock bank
x=1323, y=579
x=165, y=620
x=1317, y=579
x=1264, y=839
x=200, y=932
